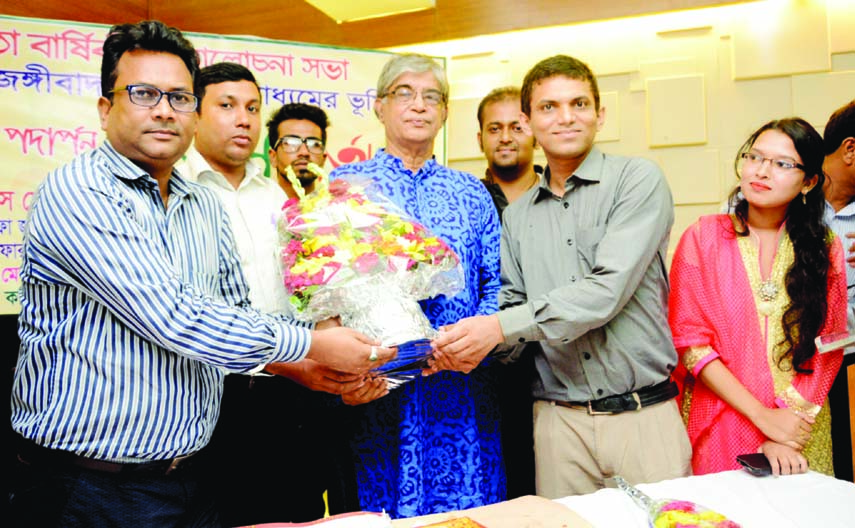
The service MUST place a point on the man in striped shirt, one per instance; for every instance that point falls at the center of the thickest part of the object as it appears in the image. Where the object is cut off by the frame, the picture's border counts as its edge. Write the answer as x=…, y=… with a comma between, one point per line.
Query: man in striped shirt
x=133, y=307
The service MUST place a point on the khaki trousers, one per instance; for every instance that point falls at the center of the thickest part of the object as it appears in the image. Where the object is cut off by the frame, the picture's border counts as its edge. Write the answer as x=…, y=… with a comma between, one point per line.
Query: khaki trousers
x=575, y=452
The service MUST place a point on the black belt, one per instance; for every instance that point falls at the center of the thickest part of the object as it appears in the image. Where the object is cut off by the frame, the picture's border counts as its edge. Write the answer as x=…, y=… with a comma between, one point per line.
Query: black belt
x=631, y=401
x=33, y=454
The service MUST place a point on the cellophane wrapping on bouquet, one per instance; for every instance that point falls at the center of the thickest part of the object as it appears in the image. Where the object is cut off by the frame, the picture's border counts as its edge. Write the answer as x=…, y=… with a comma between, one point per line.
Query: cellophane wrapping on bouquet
x=671, y=513
x=348, y=251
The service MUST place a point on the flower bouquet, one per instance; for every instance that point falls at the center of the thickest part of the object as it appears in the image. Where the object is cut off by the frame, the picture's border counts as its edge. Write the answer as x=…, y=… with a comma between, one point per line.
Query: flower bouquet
x=348, y=251
x=669, y=513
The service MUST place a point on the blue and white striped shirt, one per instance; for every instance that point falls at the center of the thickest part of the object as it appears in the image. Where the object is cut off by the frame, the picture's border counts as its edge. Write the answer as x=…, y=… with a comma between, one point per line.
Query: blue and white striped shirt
x=132, y=313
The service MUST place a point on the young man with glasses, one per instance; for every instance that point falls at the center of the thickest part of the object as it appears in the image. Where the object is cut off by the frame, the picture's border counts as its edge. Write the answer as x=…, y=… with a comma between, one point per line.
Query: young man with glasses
x=133, y=306
x=297, y=134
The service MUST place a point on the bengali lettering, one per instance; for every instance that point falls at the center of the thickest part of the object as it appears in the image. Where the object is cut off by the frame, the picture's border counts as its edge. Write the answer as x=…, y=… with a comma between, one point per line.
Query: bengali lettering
x=6, y=224
x=10, y=274
x=25, y=202
x=46, y=139
x=78, y=83
x=9, y=42
x=12, y=250
x=330, y=68
x=68, y=43
x=7, y=197
x=260, y=62
x=324, y=99
x=35, y=75
x=360, y=102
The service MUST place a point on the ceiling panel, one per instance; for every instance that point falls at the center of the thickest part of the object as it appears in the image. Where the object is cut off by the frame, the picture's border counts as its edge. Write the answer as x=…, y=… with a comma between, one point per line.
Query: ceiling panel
x=297, y=20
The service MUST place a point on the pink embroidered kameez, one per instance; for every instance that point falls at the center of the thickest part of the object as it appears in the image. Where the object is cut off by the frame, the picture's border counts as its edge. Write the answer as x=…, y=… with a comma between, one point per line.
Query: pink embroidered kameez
x=716, y=312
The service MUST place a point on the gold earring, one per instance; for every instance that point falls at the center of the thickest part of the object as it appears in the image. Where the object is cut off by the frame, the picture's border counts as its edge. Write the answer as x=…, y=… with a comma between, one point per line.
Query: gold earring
x=804, y=198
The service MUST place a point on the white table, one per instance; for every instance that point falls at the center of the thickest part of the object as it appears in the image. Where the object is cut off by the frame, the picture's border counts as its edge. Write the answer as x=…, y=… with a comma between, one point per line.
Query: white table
x=810, y=500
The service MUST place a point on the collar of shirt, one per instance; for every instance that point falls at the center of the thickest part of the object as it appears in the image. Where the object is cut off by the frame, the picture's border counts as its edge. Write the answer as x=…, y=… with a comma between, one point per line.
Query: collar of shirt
x=384, y=158
x=126, y=169
x=196, y=168
x=848, y=210
x=590, y=170
x=488, y=174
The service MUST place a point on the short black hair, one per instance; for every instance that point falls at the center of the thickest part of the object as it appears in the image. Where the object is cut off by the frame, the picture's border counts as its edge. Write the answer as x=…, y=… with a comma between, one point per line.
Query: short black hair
x=557, y=66
x=505, y=93
x=150, y=35
x=219, y=73
x=297, y=111
x=840, y=126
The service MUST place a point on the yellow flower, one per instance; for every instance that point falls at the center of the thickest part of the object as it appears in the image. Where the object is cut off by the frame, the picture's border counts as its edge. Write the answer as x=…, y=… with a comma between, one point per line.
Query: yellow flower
x=313, y=243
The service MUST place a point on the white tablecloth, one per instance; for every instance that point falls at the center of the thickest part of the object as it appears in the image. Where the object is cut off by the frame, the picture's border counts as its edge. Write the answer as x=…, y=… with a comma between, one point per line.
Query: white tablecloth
x=810, y=500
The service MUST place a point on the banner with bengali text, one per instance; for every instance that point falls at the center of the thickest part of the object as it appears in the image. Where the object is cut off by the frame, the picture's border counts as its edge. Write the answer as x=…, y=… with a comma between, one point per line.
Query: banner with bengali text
x=50, y=84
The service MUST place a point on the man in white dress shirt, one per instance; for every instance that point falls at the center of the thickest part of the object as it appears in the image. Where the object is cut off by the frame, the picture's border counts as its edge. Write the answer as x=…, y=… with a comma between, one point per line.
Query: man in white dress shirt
x=262, y=417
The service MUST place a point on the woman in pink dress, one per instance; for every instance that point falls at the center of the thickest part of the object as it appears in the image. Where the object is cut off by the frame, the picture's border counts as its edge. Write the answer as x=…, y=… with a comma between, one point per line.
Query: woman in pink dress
x=750, y=291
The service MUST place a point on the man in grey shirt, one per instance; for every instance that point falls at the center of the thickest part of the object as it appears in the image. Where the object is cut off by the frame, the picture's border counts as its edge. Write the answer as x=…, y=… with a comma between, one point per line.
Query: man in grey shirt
x=583, y=273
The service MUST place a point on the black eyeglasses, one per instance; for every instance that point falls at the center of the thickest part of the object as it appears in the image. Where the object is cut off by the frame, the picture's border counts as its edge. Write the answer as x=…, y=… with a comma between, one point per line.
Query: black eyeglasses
x=292, y=144
x=755, y=160
x=149, y=96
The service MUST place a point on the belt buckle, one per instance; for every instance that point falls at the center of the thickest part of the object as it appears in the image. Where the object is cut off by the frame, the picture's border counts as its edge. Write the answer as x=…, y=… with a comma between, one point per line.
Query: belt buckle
x=173, y=465
x=592, y=412
x=637, y=399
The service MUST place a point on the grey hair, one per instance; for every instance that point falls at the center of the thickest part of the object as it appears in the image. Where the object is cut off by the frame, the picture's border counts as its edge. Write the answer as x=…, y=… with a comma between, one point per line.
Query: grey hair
x=410, y=63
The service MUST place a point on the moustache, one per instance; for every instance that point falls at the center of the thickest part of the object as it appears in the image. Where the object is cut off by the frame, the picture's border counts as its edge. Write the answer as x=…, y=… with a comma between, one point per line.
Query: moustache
x=164, y=128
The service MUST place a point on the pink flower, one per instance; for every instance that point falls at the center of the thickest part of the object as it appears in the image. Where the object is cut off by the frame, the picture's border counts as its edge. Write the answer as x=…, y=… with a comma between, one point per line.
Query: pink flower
x=685, y=506
x=326, y=230
x=325, y=274
x=298, y=281
x=332, y=268
x=326, y=251
x=288, y=258
x=294, y=247
x=366, y=262
x=317, y=278
x=338, y=187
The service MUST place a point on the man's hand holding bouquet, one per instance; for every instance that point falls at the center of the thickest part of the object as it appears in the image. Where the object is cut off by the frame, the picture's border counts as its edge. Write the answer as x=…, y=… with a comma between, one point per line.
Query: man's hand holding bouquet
x=347, y=251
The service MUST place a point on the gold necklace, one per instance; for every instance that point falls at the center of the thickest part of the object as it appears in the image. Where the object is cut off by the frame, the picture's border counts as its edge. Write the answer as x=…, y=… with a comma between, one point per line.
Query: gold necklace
x=767, y=291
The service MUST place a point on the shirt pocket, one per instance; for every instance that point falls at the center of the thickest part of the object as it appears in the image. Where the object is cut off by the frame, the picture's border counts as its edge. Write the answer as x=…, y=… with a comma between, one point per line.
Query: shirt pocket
x=587, y=242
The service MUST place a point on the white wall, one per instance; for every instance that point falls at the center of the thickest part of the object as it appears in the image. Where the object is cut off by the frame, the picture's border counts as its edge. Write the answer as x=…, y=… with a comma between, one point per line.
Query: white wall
x=684, y=89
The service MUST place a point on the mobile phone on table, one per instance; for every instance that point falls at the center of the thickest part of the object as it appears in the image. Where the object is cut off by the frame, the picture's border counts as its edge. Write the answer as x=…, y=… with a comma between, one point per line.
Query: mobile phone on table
x=755, y=463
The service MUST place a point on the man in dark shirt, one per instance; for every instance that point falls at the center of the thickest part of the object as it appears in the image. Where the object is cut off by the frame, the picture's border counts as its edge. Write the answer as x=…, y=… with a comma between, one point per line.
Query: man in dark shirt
x=507, y=145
